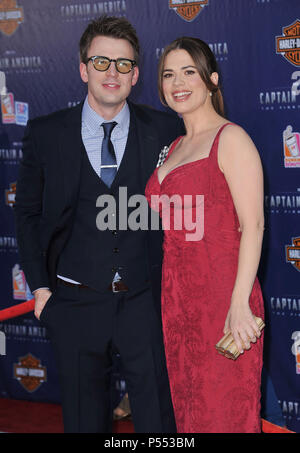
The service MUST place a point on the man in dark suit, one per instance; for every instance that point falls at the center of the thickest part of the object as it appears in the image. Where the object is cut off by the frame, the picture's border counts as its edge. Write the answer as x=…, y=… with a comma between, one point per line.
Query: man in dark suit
x=97, y=291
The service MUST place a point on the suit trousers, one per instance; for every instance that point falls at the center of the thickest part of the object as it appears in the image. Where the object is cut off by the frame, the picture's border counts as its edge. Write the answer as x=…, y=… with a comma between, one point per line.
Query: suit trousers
x=85, y=328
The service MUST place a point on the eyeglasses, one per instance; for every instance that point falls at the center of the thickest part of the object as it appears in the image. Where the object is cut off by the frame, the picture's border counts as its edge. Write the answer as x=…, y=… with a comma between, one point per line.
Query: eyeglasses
x=123, y=65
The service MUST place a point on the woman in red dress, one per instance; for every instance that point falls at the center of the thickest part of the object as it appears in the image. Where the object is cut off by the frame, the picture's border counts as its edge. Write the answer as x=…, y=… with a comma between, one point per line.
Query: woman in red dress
x=209, y=286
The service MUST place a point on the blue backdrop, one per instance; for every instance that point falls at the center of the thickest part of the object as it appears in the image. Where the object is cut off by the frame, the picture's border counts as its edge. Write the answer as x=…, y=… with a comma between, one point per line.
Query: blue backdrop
x=257, y=45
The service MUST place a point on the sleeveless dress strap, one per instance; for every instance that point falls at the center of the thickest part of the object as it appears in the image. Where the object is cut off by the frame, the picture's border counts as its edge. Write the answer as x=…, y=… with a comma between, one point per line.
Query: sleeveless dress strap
x=214, y=147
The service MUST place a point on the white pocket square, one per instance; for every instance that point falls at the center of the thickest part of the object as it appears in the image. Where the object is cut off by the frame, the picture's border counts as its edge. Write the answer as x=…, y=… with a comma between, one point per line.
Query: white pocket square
x=162, y=156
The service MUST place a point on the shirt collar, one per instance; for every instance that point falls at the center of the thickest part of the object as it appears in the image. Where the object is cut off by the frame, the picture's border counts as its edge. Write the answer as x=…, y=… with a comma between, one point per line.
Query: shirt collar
x=92, y=120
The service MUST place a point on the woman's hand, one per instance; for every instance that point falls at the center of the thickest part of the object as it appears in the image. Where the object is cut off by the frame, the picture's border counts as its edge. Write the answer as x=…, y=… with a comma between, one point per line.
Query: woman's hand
x=241, y=323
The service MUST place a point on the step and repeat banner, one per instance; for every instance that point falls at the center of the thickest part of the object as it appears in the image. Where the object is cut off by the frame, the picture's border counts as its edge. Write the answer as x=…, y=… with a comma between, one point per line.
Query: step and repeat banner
x=257, y=46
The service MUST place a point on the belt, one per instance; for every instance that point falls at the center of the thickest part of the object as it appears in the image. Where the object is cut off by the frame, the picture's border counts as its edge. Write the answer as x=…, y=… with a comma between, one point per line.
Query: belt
x=115, y=287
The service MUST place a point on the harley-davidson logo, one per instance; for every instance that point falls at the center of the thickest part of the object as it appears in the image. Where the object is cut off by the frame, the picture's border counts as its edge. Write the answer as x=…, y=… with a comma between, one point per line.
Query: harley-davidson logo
x=188, y=9
x=288, y=45
x=10, y=194
x=293, y=253
x=30, y=373
x=11, y=16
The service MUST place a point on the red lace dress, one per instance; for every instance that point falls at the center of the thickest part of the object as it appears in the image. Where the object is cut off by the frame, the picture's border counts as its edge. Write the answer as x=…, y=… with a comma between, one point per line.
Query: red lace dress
x=210, y=393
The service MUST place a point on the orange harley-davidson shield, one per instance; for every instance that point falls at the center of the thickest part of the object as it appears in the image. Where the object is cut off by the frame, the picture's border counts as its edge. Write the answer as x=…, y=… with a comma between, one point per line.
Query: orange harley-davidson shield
x=293, y=253
x=187, y=9
x=288, y=45
x=30, y=373
x=11, y=16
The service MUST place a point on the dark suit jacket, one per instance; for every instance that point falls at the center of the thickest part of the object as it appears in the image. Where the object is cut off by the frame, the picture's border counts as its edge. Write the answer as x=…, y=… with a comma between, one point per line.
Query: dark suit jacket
x=48, y=186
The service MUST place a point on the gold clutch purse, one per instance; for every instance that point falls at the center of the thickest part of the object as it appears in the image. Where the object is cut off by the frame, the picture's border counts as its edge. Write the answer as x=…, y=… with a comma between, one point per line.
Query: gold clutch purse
x=227, y=346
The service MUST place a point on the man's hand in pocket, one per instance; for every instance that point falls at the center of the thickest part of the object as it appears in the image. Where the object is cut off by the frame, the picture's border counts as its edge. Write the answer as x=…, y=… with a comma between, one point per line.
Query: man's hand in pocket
x=41, y=297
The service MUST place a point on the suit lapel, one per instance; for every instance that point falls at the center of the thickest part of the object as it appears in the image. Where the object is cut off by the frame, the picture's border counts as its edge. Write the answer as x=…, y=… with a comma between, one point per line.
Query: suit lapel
x=148, y=145
x=71, y=147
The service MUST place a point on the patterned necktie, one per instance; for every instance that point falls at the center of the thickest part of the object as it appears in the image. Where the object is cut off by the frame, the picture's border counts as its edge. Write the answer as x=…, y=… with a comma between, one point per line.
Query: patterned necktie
x=108, y=157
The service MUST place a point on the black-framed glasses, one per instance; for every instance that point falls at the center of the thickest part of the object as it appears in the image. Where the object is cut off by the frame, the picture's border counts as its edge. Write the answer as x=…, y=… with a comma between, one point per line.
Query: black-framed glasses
x=123, y=65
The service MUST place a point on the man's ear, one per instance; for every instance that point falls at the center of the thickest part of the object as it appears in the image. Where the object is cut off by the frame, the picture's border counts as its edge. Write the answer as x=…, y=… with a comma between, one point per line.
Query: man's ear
x=135, y=77
x=83, y=72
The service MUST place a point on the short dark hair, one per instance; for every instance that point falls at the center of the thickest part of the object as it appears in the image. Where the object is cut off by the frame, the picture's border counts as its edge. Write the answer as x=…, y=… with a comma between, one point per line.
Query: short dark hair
x=205, y=62
x=114, y=27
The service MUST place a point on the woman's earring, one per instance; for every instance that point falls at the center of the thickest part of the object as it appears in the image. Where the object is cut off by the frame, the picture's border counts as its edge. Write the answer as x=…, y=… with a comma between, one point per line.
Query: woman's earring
x=210, y=93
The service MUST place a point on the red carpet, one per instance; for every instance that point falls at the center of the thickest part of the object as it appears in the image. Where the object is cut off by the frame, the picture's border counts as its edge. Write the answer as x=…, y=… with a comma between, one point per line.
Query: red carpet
x=17, y=416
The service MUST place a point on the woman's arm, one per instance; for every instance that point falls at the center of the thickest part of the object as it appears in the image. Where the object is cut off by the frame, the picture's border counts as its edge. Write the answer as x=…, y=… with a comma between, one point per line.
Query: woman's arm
x=240, y=162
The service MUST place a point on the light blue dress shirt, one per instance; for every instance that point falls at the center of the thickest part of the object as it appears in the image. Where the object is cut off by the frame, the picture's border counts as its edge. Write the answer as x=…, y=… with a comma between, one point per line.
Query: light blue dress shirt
x=92, y=134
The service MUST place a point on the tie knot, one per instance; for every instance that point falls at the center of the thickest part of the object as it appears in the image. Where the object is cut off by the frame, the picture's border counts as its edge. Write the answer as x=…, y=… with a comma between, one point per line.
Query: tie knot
x=108, y=127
